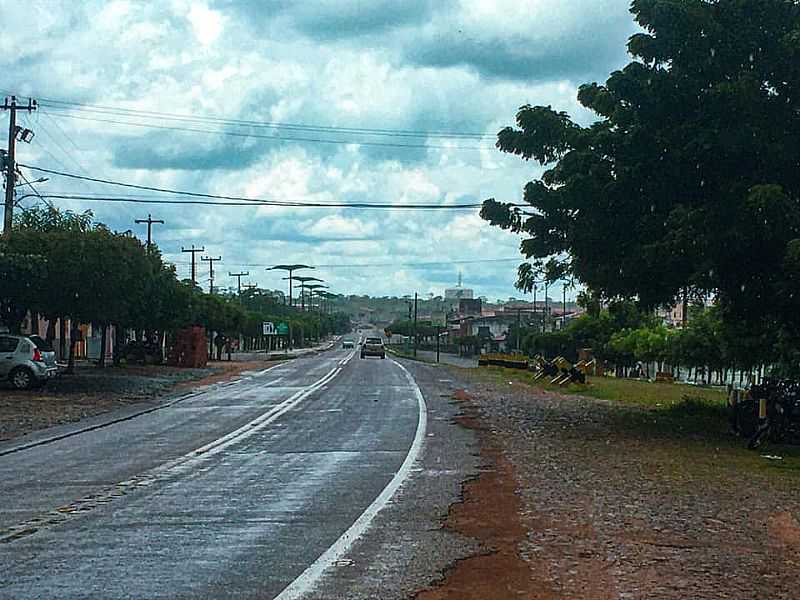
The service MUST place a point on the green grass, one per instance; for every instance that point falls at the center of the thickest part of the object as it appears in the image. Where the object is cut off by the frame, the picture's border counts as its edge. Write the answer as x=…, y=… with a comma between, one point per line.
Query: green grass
x=626, y=391
x=403, y=353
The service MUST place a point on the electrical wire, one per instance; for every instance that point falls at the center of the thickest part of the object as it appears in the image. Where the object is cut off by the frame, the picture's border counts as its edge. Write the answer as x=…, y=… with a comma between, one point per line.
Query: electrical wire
x=121, y=111
x=35, y=191
x=379, y=265
x=256, y=203
x=271, y=138
x=231, y=200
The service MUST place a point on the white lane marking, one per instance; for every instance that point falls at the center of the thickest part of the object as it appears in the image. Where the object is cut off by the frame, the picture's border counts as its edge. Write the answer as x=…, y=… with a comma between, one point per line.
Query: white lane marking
x=308, y=578
x=178, y=465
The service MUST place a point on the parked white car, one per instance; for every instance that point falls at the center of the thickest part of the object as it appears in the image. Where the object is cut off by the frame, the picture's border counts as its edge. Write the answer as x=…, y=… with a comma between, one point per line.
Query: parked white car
x=26, y=361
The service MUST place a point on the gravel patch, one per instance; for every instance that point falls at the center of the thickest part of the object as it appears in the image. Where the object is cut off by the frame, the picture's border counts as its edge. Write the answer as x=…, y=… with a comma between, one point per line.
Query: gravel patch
x=616, y=510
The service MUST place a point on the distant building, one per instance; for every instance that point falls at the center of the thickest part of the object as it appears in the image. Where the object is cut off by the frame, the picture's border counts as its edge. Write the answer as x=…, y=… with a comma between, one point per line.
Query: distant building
x=459, y=292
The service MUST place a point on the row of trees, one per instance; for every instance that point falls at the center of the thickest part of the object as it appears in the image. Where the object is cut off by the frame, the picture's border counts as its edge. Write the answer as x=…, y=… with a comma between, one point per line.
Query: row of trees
x=624, y=336
x=62, y=265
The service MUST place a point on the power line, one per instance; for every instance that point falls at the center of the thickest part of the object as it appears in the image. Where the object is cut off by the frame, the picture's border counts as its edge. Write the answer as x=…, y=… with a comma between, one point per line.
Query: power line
x=67, y=154
x=272, y=138
x=232, y=200
x=384, y=265
x=393, y=132
x=35, y=191
x=257, y=203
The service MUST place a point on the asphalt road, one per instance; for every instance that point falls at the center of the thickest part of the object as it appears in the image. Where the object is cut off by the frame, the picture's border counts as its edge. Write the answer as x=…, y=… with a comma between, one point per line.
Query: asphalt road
x=252, y=489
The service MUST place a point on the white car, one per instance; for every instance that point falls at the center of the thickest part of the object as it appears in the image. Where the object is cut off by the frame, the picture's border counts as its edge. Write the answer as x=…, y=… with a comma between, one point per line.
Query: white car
x=26, y=361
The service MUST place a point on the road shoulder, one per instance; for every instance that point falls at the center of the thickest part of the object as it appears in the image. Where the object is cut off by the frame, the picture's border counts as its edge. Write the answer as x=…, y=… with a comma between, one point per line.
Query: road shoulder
x=585, y=498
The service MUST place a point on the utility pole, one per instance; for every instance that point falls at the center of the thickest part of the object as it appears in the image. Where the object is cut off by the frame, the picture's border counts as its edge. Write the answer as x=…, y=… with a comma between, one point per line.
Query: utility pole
x=519, y=314
x=150, y=222
x=564, y=307
x=211, y=262
x=534, y=302
x=11, y=165
x=239, y=280
x=194, y=251
x=546, y=307
x=415, y=324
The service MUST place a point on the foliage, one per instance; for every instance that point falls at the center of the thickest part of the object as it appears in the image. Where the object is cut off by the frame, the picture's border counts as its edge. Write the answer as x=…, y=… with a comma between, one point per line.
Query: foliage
x=694, y=157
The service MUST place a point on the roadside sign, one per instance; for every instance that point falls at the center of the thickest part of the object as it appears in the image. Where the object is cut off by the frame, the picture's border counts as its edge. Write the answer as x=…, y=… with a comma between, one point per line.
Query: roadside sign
x=283, y=329
x=268, y=328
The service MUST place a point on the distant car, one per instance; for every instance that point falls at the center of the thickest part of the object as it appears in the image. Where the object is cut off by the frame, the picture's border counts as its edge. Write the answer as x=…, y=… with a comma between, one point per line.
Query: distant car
x=26, y=361
x=373, y=346
x=348, y=343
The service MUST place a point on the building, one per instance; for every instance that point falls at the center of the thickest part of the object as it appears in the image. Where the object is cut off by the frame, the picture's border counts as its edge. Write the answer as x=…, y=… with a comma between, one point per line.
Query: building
x=459, y=292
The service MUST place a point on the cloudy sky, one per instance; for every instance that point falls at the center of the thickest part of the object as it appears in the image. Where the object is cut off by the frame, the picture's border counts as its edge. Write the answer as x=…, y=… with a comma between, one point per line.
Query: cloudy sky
x=114, y=77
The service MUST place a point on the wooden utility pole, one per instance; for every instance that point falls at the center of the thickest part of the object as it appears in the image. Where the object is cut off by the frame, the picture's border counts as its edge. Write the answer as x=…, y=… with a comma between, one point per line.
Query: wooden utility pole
x=194, y=251
x=546, y=308
x=211, y=262
x=239, y=280
x=150, y=221
x=11, y=165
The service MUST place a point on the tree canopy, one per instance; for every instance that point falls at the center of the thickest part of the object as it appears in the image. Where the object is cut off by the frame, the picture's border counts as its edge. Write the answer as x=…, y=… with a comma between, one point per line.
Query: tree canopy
x=65, y=265
x=689, y=180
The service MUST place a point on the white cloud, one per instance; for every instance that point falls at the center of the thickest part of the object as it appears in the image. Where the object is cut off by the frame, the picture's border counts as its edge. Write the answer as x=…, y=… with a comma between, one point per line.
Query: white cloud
x=337, y=226
x=207, y=24
x=213, y=58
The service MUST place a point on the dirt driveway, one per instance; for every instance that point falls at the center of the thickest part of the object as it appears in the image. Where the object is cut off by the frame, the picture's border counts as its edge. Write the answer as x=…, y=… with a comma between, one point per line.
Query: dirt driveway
x=92, y=391
x=585, y=499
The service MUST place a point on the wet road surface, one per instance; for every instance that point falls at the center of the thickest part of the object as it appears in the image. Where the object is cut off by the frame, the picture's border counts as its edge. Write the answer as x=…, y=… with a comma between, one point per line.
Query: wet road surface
x=231, y=493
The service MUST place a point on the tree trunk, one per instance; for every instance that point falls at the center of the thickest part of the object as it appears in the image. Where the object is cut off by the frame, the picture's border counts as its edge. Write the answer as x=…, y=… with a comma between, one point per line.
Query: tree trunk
x=73, y=340
x=116, y=354
x=62, y=340
x=103, y=338
x=50, y=335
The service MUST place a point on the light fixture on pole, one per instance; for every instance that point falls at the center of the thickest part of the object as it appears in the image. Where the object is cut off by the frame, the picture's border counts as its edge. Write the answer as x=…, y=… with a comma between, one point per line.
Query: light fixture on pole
x=291, y=269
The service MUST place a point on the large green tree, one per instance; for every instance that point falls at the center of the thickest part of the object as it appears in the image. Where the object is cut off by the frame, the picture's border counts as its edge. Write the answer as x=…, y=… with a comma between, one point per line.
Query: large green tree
x=690, y=179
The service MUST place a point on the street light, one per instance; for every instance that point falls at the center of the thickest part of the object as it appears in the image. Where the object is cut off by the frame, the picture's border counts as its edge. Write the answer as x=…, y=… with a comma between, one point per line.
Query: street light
x=314, y=288
x=291, y=269
x=303, y=281
x=329, y=297
x=40, y=180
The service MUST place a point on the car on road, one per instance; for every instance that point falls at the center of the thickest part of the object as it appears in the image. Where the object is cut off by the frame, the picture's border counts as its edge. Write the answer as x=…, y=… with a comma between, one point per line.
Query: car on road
x=348, y=343
x=373, y=346
x=26, y=361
